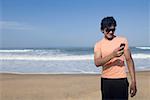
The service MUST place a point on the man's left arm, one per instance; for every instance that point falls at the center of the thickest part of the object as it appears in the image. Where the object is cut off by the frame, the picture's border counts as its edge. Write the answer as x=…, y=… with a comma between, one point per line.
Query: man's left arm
x=131, y=68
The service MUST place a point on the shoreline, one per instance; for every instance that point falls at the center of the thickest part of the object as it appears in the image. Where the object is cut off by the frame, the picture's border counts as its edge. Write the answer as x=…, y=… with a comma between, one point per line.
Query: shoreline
x=65, y=73
x=62, y=86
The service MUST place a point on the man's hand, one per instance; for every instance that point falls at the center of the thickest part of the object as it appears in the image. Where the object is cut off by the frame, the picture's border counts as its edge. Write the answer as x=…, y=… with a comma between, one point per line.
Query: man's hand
x=133, y=89
x=118, y=52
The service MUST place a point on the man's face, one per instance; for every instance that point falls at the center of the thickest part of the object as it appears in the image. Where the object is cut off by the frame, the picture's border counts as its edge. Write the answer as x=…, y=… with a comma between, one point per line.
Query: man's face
x=109, y=32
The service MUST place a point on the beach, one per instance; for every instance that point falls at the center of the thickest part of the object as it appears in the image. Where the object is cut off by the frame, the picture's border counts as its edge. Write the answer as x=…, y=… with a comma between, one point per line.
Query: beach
x=62, y=86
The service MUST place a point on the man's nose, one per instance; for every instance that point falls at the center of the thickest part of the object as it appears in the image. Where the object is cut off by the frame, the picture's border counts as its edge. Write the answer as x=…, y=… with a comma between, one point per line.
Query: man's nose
x=110, y=31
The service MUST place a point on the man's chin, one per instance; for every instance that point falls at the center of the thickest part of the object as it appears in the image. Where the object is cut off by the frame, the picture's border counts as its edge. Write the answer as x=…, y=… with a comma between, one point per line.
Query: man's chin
x=110, y=38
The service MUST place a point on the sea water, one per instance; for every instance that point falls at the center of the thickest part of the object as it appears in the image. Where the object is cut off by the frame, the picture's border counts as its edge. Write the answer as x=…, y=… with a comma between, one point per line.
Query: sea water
x=61, y=60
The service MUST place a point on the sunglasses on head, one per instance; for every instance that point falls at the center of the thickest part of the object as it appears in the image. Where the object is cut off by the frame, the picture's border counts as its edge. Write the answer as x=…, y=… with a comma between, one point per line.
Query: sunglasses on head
x=108, y=30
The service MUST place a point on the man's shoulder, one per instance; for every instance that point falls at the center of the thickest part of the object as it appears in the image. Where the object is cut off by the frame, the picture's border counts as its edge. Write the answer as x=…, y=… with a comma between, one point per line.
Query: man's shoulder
x=121, y=37
x=97, y=45
x=99, y=42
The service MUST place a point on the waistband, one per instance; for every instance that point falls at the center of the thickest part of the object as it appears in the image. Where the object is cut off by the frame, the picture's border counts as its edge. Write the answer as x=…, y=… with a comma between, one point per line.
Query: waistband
x=114, y=78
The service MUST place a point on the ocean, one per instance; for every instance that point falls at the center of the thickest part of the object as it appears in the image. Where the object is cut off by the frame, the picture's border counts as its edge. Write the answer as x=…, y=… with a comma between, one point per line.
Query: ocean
x=61, y=60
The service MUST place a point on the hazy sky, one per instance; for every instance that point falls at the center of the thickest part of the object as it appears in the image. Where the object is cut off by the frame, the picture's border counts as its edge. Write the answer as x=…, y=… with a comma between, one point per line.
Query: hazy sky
x=70, y=23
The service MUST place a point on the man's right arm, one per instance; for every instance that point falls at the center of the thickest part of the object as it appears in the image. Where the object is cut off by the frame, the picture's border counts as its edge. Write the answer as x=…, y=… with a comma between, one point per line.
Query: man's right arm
x=99, y=61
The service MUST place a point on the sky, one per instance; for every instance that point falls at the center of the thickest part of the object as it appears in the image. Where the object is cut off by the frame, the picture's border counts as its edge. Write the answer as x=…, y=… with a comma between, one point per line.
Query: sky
x=70, y=23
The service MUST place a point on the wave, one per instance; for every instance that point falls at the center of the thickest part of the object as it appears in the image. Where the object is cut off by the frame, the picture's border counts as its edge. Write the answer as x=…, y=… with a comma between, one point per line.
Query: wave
x=12, y=51
x=143, y=48
x=32, y=51
x=61, y=57
x=47, y=58
x=141, y=56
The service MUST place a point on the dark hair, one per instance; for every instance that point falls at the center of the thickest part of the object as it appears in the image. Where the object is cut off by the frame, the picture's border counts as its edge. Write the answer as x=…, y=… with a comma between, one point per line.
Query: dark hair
x=108, y=22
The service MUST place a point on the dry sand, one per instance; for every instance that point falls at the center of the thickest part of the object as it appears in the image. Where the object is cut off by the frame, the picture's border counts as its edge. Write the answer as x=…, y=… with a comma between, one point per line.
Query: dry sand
x=62, y=87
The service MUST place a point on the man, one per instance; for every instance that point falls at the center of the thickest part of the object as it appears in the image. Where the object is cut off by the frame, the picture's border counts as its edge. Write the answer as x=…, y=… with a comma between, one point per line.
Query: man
x=111, y=53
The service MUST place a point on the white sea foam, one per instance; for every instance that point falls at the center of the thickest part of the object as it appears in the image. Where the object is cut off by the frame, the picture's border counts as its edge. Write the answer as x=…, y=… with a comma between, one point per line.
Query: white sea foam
x=144, y=48
x=48, y=61
x=141, y=56
x=46, y=58
x=61, y=57
x=12, y=51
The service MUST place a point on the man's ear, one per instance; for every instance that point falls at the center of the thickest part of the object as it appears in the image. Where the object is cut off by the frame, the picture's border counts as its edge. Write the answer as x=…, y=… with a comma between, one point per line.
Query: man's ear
x=102, y=31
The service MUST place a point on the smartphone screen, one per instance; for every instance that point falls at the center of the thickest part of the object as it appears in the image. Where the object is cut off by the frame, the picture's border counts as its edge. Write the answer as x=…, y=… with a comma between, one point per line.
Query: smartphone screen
x=122, y=44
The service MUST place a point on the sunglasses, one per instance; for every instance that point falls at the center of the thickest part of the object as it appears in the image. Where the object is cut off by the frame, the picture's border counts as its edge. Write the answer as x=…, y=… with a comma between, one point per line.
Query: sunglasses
x=108, y=30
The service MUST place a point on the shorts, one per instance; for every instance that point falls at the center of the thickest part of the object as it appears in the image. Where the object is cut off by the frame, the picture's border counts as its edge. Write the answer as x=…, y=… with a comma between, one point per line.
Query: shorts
x=114, y=89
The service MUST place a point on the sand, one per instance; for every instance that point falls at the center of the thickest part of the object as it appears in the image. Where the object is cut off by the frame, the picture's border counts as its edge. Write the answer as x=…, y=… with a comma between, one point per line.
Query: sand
x=62, y=87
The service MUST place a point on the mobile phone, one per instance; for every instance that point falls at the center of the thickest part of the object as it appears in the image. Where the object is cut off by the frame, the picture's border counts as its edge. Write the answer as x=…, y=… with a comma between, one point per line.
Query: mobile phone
x=122, y=44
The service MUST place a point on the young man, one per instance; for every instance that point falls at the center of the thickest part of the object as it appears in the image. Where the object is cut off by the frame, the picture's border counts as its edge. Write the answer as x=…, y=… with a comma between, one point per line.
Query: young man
x=111, y=53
